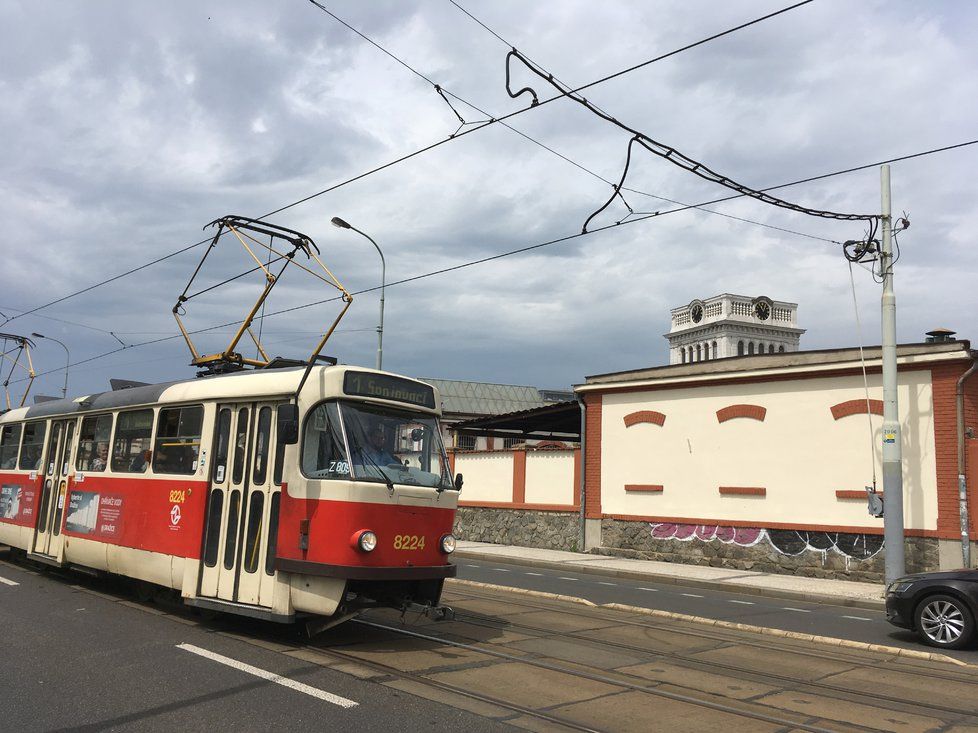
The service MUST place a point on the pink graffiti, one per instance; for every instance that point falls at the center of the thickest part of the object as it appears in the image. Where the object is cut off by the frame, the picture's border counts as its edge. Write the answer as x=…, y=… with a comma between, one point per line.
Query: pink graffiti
x=741, y=536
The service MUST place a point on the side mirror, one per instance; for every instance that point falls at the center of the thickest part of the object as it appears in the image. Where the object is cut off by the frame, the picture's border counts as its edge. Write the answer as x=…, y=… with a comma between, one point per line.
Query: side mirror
x=288, y=423
x=458, y=482
x=417, y=434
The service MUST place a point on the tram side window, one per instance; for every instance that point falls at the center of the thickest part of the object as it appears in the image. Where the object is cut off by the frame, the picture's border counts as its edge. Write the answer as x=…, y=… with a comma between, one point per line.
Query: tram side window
x=9, y=443
x=323, y=451
x=30, y=452
x=178, y=440
x=133, y=436
x=93, y=443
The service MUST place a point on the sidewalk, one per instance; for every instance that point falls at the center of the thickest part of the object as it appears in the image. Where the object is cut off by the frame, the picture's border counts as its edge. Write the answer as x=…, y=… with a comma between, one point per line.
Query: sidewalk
x=817, y=590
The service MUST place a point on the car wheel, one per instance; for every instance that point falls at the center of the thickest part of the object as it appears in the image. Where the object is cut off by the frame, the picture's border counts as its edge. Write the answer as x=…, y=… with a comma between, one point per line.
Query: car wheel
x=944, y=621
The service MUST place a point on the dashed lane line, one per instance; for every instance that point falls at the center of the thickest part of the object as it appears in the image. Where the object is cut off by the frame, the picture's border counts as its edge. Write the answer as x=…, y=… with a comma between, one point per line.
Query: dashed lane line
x=796, y=610
x=650, y=590
x=501, y=570
x=537, y=574
x=7, y=581
x=269, y=676
x=565, y=578
x=691, y=595
x=603, y=582
x=743, y=603
x=858, y=618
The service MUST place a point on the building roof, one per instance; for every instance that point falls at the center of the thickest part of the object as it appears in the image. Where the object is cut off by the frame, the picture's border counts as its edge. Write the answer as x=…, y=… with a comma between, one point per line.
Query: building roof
x=482, y=398
x=558, y=420
x=733, y=367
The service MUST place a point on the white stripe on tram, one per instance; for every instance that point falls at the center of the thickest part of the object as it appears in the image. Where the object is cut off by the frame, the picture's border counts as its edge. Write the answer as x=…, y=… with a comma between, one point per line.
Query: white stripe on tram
x=270, y=676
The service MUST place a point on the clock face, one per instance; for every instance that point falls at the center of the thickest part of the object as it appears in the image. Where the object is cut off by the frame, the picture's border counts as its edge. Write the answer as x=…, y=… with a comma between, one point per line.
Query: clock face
x=696, y=313
x=762, y=309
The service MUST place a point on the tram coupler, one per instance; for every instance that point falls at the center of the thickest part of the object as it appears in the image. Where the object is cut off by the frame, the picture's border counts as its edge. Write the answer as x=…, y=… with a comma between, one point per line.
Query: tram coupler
x=435, y=613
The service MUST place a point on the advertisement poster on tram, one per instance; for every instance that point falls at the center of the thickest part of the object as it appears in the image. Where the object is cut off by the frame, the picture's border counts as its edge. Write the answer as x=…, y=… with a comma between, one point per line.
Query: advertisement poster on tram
x=16, y=503
x=90, y=512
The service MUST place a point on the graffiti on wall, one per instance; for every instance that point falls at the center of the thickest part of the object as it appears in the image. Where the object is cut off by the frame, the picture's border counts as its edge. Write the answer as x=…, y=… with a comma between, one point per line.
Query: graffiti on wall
x=785, y=541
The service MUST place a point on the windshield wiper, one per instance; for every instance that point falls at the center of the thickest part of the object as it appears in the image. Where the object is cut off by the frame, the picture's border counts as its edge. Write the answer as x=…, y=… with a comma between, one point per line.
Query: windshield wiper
x=383, y=474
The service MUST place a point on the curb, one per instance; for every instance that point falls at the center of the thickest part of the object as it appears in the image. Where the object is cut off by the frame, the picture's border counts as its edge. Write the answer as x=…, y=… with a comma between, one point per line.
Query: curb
x=795, y=635
x=577, y=567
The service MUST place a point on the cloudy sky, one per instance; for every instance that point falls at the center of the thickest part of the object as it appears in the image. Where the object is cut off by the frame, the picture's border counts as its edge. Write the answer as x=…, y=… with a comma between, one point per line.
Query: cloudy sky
x=128, y=126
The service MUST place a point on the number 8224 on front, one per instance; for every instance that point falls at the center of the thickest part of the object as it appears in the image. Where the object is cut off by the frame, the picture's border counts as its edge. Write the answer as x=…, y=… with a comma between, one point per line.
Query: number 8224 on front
x=408, y=542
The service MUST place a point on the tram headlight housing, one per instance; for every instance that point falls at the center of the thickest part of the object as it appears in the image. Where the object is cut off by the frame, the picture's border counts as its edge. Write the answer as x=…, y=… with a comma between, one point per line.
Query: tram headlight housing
x=447, y=543
x=365, y=540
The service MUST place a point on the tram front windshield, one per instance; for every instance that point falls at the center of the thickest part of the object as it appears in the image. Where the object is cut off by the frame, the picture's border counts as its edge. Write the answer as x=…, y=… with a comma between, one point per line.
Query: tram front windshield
x=374, y=444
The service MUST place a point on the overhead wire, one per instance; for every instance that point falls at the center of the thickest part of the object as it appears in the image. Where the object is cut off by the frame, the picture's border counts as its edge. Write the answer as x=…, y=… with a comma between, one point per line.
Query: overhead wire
x=442, y=91
x=501, y=255
x=425, y=149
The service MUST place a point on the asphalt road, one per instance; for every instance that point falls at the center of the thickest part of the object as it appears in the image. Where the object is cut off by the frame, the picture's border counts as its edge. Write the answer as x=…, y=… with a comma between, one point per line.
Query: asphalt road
x=73, y=659
x=840, y=622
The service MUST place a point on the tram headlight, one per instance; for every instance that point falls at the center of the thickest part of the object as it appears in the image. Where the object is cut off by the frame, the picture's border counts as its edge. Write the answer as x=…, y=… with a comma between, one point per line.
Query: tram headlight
x=366, y=541
x=448, y=544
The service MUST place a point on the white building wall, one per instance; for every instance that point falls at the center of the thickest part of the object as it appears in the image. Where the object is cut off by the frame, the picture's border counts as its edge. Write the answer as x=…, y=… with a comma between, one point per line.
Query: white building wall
x=487, y=476
x=800, y=454
x=550, y=477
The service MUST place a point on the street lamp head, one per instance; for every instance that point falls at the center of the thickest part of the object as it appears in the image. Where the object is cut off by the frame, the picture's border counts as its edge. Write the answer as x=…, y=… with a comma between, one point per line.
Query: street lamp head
x=337, y=222
x=37, y=335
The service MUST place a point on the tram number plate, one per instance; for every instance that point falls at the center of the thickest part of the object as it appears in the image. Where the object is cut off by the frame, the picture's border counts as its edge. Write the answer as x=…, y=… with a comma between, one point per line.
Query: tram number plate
x=178, y=496
x=408, y=542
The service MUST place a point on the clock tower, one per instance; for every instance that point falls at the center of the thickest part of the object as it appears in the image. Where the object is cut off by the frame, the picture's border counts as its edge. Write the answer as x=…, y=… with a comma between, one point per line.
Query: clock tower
x=732, y=325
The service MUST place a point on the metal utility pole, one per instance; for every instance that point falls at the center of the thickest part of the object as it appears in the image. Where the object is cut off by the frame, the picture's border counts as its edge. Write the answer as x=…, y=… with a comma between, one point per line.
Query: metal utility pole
x=895, y=565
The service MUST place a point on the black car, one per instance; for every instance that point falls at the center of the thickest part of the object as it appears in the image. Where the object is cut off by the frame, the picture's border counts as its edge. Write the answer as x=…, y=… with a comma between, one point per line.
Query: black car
x=940, y=607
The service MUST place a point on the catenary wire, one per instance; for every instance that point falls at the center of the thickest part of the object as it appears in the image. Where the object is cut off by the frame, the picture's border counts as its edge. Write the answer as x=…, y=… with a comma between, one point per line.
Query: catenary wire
x=502, y=255
x=443, y=91
x=424, y=149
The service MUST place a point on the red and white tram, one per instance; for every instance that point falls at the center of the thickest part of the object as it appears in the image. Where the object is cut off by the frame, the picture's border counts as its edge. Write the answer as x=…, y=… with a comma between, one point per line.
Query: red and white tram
x=239, y=492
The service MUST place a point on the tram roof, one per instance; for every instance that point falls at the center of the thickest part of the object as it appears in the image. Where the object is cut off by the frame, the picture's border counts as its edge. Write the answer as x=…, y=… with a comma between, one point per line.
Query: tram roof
x=243, y=384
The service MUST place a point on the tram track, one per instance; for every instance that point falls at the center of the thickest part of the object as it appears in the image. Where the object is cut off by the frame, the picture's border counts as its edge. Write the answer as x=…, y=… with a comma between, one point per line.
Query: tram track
x=596, y=612
x=615, y=681
x=712, y=666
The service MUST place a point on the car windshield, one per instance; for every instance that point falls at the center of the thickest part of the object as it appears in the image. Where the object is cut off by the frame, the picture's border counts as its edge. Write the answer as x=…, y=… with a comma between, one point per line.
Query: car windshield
x=382, y=444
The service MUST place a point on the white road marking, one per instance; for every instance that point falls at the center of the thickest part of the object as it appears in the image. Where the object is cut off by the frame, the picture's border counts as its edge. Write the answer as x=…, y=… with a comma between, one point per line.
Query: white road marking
x=797, y=610
x=471, y=566
x=5, y=581
x=563, y=578
x=650, y=590
x=858, y=618
x=532, y=573
x=501, y=570
x=743, y=603
x=690, y=595
x=603, y=582
x=270, y=676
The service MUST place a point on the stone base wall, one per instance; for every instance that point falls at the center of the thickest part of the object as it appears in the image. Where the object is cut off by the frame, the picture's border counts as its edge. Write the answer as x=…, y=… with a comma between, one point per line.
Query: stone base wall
x=834, y=555
x=547, y=530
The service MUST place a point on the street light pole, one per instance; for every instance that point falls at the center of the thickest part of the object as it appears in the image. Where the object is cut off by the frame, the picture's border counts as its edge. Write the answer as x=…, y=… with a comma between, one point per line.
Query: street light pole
x=64, y=390
x=893, y=532
x=338, y=222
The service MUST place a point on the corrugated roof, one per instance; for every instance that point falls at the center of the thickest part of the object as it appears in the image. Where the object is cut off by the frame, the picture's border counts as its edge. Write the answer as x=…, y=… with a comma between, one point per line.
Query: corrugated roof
x=482, y=398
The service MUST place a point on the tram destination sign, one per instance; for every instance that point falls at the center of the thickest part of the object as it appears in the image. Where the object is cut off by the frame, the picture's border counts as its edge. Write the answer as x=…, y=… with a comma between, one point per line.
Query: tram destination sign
x=384, y=387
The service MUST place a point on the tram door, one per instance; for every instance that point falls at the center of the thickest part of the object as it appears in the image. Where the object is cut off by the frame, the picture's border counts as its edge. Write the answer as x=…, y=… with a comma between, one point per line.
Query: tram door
x=237, y=563
x=48, y=539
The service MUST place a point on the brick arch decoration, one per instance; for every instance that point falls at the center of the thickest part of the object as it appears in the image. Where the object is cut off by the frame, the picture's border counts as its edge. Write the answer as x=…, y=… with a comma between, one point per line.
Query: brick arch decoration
x=754, y=412
x=644, y=416
x=856, y=407
x=550, y=445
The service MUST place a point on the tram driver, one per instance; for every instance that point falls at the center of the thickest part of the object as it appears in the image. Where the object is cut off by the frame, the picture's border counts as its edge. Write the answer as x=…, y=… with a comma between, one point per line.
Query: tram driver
x=374, y=452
